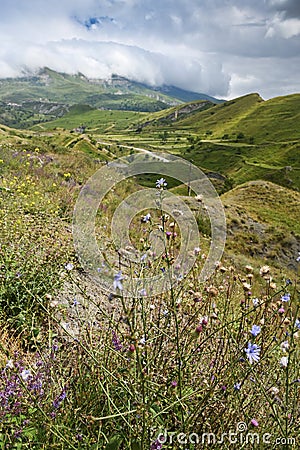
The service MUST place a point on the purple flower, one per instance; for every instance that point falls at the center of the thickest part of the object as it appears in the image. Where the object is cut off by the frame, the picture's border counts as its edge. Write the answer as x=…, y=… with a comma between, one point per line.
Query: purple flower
x=58, y=401
x=117, y=281
x=237, y=386
x=297, y=324
x=156, y=445
x=252, y=352
x=115, y=341
x=255, y=330
x=174, y=383
x=286, y=297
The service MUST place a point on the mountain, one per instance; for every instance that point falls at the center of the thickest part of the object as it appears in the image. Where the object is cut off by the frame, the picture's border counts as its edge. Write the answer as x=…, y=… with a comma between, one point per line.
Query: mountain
x=47, y=94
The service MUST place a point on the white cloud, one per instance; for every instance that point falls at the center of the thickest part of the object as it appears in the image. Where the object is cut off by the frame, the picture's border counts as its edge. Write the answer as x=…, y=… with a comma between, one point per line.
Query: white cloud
x=219, y=47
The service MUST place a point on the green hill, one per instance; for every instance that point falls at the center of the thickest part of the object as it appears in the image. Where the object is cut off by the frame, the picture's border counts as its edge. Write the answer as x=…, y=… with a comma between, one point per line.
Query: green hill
x=244, y=139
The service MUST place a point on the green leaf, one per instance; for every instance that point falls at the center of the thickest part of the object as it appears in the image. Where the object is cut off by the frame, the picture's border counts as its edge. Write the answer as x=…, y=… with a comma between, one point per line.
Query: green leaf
x=114, y=442
x=135, y=446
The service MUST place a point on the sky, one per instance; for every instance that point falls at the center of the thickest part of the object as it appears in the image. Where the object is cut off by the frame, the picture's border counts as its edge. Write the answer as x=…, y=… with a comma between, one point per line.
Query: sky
x=224, y=48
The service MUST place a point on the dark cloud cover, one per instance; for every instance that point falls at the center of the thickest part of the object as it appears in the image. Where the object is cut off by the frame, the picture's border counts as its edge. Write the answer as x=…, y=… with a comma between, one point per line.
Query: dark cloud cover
x=224, y=48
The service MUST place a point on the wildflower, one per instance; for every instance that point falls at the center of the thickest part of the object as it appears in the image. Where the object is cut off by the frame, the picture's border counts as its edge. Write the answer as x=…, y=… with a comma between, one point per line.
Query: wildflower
x=264, y=270
x=9, y=364
x=156, y=445
x=255, y=301
x=254, y=422
x=297, y=324
x=237, y=386
x=246, y=286
x=142, y=341
x=131, y=348
x=288, y=282
x=281, y=310
x=284, y=361
x=174, y=383
x=117, y=281
x=255, y=330
x=168, y=234
x=197, y=251
x=249, y=268
x=274, y=390
x=298, y=258
x=284, y=346
x=115, y=341
x=69, y=266
x=146, y=218
x=144, y=257
x=143, y=292
x=161, y=183
x=286, y=297
x=26, y=374
x=58, y=401
x=252, y=352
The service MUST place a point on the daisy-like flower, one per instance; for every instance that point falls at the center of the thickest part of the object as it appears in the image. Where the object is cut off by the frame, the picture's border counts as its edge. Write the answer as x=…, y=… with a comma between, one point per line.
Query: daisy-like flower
x=255, y=330
x=252, y=352
x=161, y=183
x=286, y=297
x=117, y=281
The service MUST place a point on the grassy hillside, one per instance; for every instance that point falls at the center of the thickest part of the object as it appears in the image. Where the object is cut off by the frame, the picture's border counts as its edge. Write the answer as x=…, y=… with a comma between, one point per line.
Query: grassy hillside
x=263, y=222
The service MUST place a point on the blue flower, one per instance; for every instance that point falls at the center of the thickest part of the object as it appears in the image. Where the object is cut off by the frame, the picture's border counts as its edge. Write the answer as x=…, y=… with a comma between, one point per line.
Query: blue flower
x=286, y=297
x=117, y=281
x=297, y=324
x=252, y=352
x=255, y=330
x=147, y=217
x=161, y=183
x=237, y=386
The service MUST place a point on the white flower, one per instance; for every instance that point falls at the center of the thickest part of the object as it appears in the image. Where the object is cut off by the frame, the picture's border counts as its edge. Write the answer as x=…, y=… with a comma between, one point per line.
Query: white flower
x=143, y=341
x=284, y=361
x=9, y=364
x=284, y=346
x=69, y=266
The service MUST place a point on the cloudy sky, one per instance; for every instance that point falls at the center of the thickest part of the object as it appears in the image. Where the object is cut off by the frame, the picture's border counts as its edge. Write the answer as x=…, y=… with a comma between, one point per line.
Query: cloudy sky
x=225, y=48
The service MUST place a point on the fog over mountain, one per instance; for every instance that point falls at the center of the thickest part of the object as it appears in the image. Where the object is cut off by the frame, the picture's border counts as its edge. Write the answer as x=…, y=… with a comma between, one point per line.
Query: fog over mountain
x=225, y=48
